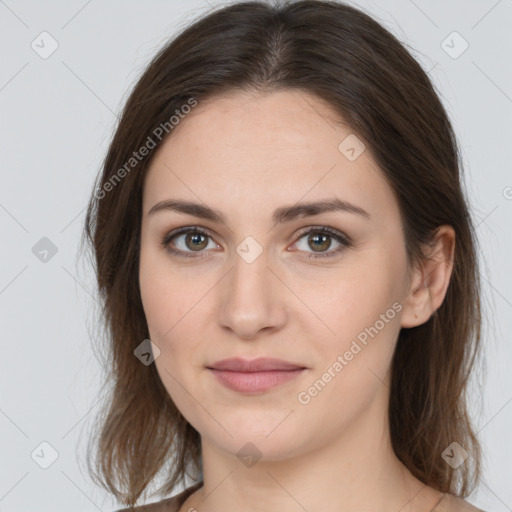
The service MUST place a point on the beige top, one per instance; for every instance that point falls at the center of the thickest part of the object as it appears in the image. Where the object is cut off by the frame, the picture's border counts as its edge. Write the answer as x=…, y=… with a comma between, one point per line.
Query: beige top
x=447, y=503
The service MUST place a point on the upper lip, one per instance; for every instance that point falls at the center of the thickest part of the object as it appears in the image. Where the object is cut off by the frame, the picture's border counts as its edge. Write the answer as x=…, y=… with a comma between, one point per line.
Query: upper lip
x=261, y=364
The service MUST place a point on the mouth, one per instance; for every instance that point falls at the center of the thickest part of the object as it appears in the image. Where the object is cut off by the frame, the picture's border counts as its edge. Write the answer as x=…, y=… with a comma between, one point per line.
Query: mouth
x=256, y=376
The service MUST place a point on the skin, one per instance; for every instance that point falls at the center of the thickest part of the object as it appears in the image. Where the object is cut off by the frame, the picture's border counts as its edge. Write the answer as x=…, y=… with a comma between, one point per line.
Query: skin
x=246, y=155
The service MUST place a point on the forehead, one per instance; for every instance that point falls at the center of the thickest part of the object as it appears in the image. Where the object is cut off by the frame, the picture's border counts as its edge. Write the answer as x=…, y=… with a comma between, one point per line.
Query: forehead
x=264, y=150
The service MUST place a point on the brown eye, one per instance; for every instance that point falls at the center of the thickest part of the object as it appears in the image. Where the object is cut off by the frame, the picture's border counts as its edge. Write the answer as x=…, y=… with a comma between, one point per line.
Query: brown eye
x=195, y=241
x=187, y=241
x=319, y=241
x=192, y=242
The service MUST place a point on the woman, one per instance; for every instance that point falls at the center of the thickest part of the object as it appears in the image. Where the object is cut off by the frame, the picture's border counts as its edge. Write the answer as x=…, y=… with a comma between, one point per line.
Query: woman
x=289, y=273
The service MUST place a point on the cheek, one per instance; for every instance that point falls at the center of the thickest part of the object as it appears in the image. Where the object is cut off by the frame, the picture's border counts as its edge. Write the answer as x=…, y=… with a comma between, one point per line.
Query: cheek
x=354, y=367
x=166, y=300
x=164, y=294
x=343, y=303
x=172, y=306
x=362, y=313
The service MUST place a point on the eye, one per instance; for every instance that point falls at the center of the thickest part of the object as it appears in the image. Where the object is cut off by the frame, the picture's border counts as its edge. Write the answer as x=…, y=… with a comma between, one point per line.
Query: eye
x=192, y=237
x=319, y=238
x=191, y=241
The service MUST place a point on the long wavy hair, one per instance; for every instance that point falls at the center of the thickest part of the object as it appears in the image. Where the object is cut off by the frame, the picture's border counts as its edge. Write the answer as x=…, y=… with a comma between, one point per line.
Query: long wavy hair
x=369, y=78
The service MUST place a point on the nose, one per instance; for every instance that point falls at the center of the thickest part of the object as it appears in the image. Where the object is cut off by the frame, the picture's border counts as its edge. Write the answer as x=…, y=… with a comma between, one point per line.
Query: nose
x=252, y=298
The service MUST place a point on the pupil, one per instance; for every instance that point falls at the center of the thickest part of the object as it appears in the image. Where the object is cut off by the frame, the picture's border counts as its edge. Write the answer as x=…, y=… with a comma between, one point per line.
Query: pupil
x=194, y=238
x=317, y=238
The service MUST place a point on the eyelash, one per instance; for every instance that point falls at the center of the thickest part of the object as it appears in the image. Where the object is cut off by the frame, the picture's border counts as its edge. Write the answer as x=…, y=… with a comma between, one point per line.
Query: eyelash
x=343, y=240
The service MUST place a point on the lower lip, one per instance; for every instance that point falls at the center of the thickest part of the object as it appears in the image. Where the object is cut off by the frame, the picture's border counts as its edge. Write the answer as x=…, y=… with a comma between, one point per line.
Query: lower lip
x=255, y=382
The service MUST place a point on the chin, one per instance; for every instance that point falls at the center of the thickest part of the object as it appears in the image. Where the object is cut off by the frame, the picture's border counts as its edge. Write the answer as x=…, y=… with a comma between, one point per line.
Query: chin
x=259, y=436
x=251, y=449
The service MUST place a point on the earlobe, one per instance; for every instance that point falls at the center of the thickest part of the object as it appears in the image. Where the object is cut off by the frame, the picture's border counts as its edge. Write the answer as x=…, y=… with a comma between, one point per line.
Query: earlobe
x=430, y=280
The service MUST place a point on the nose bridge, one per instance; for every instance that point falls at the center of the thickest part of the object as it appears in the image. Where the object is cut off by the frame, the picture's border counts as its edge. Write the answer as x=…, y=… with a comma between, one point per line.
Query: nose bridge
x=251, y=300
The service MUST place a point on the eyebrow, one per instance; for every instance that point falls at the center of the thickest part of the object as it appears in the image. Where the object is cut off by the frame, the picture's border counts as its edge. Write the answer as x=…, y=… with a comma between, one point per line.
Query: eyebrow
x=280, y=215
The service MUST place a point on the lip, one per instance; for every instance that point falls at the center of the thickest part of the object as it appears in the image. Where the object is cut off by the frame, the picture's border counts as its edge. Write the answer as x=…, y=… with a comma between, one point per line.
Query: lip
x=261, y=364
x=254, y=376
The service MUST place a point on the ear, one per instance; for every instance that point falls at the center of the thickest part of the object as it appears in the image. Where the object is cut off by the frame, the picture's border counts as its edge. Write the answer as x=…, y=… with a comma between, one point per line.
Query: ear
x=430, y=280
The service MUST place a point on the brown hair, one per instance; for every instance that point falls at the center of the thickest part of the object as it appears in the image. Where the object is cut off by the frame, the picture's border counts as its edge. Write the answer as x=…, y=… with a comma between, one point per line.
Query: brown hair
x=343, y=56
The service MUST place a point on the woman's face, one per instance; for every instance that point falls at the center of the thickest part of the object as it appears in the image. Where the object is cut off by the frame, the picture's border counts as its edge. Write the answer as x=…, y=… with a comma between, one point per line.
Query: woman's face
x=249, y=286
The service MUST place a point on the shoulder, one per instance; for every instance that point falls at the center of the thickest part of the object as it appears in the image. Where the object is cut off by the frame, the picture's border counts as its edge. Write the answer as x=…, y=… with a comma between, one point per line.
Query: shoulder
x=171, y=504
x=451, y=503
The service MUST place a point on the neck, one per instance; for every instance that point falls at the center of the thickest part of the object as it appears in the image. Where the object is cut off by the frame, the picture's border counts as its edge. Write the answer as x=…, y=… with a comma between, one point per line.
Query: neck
x=352, y=472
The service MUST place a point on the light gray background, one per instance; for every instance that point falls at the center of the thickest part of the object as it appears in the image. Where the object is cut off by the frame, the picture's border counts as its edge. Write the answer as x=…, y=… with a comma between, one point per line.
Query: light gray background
x=57, y=117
